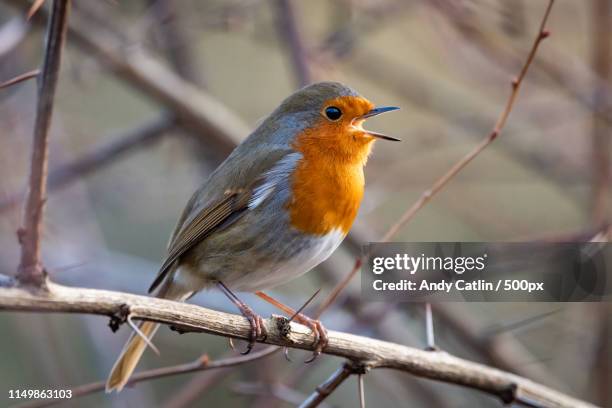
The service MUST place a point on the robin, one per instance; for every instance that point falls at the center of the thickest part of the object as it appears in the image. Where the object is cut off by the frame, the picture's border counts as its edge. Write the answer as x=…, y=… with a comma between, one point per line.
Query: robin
x=278, y=206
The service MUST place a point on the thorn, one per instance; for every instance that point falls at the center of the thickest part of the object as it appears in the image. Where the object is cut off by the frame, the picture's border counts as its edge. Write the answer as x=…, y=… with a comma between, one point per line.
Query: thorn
x=494, y=135
x=545, y=34
x=142, y=335
x=361, y=391
x=310, y=299
x=286, y=354
x=204, y=360
x=514, y=83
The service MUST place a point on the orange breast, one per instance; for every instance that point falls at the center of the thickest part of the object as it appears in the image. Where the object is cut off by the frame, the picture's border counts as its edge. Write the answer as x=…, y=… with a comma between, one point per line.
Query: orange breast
x=328, y=184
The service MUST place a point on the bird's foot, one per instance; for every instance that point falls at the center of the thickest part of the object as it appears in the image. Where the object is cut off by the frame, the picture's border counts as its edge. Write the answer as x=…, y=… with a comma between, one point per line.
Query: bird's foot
x=258, y=329
x=319, y=332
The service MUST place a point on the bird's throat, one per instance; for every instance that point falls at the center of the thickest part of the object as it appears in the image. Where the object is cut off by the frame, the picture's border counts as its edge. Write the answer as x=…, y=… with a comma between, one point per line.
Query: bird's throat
x=325, y=195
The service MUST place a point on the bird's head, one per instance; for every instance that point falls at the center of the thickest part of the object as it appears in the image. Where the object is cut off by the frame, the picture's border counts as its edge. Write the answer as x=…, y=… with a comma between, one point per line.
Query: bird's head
x=327, y=119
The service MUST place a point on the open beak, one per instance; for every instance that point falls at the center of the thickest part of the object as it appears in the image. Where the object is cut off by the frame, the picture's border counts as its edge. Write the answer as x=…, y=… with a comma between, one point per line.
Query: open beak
x=378, y=111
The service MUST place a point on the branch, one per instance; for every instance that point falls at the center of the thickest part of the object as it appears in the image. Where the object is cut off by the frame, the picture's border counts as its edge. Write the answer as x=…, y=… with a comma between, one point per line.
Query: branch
x=497, y=129
x=288, y=31
x=127, y=140
x=201, y=364
x=369, y=352
x=325, y=390
x=20, y=78
x=427, y=195
x=196, y=109
x=30, y=269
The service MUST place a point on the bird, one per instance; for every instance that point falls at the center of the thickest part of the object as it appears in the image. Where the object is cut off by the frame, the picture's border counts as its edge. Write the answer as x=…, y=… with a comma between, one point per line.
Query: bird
x=276, y=207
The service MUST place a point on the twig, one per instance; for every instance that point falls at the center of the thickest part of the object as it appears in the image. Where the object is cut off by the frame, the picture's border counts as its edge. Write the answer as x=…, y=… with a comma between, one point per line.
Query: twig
x=196, y=109
x=460, y=165
x=171, y=27
x=127, y=140
x=561, y=74
x=331, y=298
x=270, y=391
x=372, y=353
x=329, y=386
x=290, y=35
x=20, y=78
x=30, y=268
x=201, y=364
x=34, y=8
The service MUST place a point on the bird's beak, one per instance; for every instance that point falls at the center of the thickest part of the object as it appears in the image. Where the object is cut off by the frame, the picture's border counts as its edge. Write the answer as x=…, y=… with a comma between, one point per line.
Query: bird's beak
x=378, y=111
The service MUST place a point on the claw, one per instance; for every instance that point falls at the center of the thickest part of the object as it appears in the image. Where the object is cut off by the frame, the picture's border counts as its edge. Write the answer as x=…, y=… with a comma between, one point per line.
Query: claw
x=319, y=332
x=258, y=330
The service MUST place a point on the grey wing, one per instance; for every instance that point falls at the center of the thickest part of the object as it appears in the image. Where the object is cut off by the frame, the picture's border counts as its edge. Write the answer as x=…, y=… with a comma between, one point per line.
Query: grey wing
x=231, y=203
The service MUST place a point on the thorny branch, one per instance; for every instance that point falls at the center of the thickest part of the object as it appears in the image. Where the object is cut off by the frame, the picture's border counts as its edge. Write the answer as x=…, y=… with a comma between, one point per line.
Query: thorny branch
x=426, y=196
x=202, y=363
x=30, y=268
x=436, y=365
x=329, y=386
x=517, y=84
x=125, y=141
x=441, y=183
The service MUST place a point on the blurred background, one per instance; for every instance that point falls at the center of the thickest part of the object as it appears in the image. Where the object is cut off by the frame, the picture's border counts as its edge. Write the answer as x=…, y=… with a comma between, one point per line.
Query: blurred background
x=154, y=94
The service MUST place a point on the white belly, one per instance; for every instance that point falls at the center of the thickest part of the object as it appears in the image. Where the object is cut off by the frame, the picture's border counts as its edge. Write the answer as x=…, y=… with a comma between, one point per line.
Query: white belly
x=264, y=278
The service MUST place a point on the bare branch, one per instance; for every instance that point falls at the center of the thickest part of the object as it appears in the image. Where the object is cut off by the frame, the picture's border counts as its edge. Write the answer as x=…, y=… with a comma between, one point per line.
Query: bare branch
x=203, y=363
x=460, y=165
x=34, y=8
x=30, y=268
x=294, y=43
x=174, y=42
x=196, y=109
x=101, y=156
x=20, y=78
x=371, y=353
x=329, y=386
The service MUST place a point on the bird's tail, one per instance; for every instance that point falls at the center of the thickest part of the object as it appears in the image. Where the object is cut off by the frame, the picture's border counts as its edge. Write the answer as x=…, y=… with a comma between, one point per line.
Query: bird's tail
x=129, y=357
x=135, y=346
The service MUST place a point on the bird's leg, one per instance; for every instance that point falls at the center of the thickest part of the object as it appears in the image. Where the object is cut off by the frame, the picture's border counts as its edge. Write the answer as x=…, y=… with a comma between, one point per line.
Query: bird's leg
x=319, y=332
x=258, y=330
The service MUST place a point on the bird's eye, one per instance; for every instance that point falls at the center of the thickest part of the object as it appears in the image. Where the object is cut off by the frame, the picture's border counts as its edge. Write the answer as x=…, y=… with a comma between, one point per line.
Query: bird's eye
x=333, y=113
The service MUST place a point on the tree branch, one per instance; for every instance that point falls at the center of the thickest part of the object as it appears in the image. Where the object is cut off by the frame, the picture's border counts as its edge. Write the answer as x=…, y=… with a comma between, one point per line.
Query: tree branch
x=329, y=386
x=427, y=195
x=196, y=109
x=127, y=140
x=30, y=268
x=20, y=78
x=289, y=33
x=203, y=363
x=369, y=352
